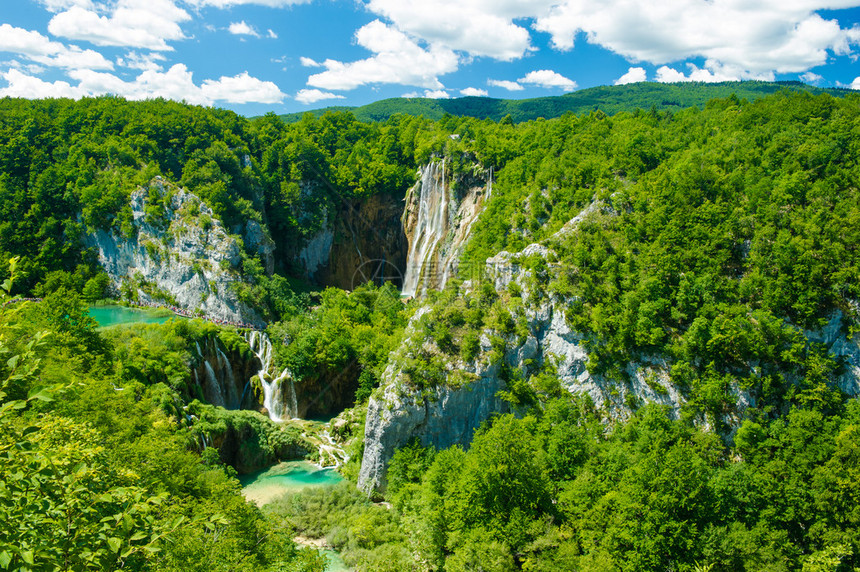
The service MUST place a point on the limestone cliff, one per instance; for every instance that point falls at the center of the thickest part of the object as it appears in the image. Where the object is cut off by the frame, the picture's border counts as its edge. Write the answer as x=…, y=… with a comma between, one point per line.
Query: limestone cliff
x=177, y=252
x=361, y=240
x=448, y=413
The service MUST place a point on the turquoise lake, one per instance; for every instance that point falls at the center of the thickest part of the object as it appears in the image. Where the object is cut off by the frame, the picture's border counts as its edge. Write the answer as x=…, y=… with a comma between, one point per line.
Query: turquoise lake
x=108, y=316
x=288, y=477
x=291, y=477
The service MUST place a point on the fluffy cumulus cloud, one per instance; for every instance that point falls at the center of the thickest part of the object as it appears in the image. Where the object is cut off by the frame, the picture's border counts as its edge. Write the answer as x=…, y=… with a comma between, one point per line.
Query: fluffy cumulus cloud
x=665, y=74
x=148, y=24
x=397, y=59
x=477, y=27
x=474, y=92
x=176, y=83
x=243, y=29
x=743, y=40
x=505, y=84
x=313, y=95
x=60, y=5
x=633, y=75
x=738, y=39
x=231, y=3
x=429, y=94
x=23, y=85
x=41, y=49
x=810, y=77
x=143, y=62
x=548, y=79
x=856, y=83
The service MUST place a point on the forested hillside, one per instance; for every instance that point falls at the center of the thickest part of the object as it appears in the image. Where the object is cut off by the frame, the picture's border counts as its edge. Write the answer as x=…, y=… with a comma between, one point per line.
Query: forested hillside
x=666, y=301
x=608, y=99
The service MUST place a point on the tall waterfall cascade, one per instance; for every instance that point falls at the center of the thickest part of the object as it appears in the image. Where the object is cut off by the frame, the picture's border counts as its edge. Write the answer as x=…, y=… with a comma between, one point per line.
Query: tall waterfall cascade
x=438, y=223
x=271, y=381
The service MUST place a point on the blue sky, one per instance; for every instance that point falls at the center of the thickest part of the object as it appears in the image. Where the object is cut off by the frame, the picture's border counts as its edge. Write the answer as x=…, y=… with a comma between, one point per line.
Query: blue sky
x=255, y=56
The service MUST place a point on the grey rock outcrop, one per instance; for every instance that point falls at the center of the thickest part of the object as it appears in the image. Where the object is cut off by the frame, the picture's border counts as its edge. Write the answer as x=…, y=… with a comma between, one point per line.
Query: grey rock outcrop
x=176, y=252
x=448, y=415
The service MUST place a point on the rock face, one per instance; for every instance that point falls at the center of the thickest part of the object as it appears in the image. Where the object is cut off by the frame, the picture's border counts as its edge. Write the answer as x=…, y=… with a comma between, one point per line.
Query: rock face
x=360, y=241
x=440, y=211
x=178, y=253
x=221, y=376
x=448, y=415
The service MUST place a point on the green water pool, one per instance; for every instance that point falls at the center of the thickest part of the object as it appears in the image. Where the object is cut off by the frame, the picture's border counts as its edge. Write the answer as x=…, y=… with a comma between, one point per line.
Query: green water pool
x=108, y=316
x=288, y=477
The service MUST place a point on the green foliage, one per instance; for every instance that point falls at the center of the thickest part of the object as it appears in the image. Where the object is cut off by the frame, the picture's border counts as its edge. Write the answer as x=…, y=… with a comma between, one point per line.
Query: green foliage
x=564, y=491
x=96, y=472
x=609, y=99
x=347, y=337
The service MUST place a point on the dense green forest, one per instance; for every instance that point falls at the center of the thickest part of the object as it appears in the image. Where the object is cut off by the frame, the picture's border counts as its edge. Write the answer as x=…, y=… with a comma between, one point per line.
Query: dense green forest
x=609, y=99
x=718, y=237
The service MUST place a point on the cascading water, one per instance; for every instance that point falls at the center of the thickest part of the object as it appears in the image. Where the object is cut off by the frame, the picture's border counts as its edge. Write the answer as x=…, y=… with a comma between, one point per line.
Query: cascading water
x=438, y=223
x=272, y=393
x=228, y=378
x=216, y=397
x=430, y=229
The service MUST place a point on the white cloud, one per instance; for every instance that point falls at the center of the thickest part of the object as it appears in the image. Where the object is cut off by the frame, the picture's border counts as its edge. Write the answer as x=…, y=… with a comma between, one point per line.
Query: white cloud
x=42, y=50
x=229, y=3
x=633, y=75
x=397, y=59
x=548, y=79
x=271, y=34
x=856, y=83
x=478, y=27
x=474, y=92
x=60, y=5
x=242, y=89
x=810, y=77
x=428, y=94
x=309, y=63
x=146, y=24
x=32, y=69
x=505, y=84
x=23, y=85
x=307, y=96
x=176, y=83
x=665, y=74
x=742, y=39
x=142, y=62
x=243, y=29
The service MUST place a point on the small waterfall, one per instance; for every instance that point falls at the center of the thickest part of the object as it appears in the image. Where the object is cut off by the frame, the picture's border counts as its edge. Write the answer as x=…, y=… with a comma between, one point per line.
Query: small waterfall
x=216, y=397
x=294, y=411
x=330, y=451
x=430, y=229
x=272, y=392
x=228, y=378
x=196, y=343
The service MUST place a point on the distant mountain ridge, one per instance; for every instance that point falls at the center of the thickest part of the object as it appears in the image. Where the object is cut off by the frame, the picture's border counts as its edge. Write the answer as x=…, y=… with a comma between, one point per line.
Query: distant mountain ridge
x=609, y=99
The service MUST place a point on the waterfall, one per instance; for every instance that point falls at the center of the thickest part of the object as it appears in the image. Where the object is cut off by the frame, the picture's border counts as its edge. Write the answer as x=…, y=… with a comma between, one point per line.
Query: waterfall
x=216, y=397
x=228, y=378
x=272, y=393
x=430, y=228
x=294, y=412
